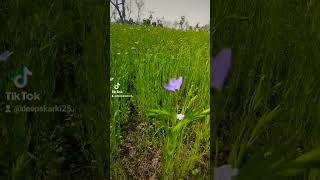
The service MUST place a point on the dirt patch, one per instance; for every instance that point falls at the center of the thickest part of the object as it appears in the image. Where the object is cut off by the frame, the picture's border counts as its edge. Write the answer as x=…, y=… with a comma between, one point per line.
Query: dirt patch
x=141, y=158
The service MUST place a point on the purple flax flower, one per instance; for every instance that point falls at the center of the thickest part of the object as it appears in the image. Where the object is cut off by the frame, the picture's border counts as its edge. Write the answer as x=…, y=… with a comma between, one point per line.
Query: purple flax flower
x=219, y=68
x=180, y=116
x=174, y=84
x=5, y=55
x=224, y=172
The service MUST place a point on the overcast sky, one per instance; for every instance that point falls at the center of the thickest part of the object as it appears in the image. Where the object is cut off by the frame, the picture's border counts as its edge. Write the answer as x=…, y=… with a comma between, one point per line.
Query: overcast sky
x=196, y=11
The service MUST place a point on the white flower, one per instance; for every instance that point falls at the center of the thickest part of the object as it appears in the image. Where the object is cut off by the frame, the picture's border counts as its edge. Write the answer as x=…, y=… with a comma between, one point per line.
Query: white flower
x=5, y=55
x=111, y=78
x=180, y=116
x=225, y=172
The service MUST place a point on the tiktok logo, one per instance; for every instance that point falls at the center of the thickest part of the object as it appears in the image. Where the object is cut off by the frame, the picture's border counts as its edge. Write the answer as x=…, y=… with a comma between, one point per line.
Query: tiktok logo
x=116, y=87
x=21, y=80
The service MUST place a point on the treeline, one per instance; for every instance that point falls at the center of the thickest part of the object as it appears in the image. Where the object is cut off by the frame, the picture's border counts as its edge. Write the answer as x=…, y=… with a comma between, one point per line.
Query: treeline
x=181, y=24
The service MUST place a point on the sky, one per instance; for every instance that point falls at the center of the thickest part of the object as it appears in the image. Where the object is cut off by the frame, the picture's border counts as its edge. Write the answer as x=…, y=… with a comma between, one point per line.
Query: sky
x=195, y=11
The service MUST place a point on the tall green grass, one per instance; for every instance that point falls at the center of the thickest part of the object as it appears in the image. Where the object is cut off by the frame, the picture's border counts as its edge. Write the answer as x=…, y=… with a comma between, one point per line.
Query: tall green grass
x=143, y=59
x=271, y=107
x=63, y=43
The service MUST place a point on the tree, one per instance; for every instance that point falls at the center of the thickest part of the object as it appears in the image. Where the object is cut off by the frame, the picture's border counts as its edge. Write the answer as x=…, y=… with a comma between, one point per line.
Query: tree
x=120, y=9
x=140, y=4
x=151, y=15
x=182, y=21
x=197, y=27
x=186, y=25
x=114, y=14
x=159, y=23
x=129, y=9
x=123, y=10
x=149, y=20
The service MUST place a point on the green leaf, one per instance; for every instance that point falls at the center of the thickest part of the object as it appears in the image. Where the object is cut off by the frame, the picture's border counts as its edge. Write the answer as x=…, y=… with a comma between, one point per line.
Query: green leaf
x=180, y=125
x=158, y=112
x=256, y=99
x=308, y=160
x=205, y=112
x=262, y=124
x=189, y=104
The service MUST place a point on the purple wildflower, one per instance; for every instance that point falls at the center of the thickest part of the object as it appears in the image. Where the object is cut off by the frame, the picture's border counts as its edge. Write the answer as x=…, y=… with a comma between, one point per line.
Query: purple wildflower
x=220, y=67
x=180, y=116
x=174, y=84
x=225, y=172
x=5, y=55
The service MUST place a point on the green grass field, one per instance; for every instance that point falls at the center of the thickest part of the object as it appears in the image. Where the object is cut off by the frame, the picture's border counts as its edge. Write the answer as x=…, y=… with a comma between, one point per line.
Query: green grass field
x=271, y=103
x=63, y=43
x=146, y=138
x=269, y=126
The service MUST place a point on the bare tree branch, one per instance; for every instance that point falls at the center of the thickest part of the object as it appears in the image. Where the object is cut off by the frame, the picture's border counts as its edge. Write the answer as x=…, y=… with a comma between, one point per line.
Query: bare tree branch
x=113, y=15
x=116, y=5
x=140, y=4
x=123, y=10
x=129, y=9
